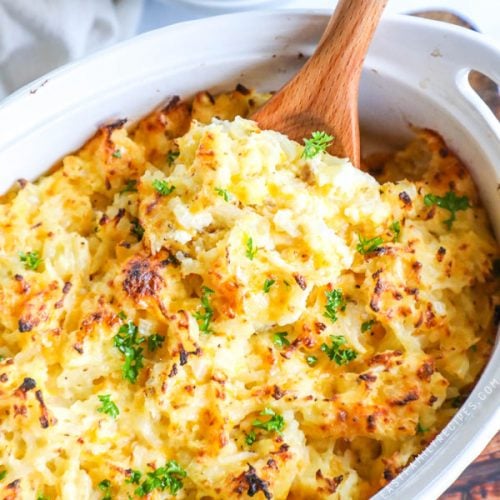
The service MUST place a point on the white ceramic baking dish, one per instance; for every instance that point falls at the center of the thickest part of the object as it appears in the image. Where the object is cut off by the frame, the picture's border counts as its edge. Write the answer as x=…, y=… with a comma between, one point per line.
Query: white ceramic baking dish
x=415, y=73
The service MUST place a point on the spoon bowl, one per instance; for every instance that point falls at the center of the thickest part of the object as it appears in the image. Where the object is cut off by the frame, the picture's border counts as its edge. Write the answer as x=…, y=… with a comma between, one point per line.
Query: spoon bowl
x=323, y=95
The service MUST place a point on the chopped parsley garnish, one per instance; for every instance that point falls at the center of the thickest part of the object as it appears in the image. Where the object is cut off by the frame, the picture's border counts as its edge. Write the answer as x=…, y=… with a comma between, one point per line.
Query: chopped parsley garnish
x=172, y=156
x=367, y=325
x=155, y=341
x=163, y=187
x=122, y=315
x=41, y=496
x=275, y=423
x=130, y=186
x=134, y=477
x=366, y=246
x=268, y=284
x=137, y=230
x=251, y=249
x=334, y=303
x=311, y=360
x=127, y=341
x=31, y=260
x=1, y=357
x=336, y=353
x=3, y=473
x=250, y=438
x=105, y=487
x=395, y=227
x=318, y=143
x=117, y=153
x=223, y=193
x=204, y=316
x=451, y=202
x=168, y=477
x=421, y=429
x=108, y=406
x=280, y=339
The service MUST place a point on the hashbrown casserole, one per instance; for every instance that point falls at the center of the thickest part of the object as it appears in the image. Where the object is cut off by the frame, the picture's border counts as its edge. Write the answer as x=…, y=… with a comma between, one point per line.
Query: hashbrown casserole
x=192, y=308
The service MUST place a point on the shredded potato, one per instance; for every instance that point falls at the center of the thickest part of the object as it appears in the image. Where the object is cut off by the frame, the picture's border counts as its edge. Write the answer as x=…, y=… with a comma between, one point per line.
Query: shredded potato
x=304, y=330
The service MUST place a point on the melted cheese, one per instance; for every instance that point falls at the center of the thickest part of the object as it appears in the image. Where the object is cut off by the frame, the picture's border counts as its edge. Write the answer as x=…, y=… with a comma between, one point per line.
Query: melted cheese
x=429, y=296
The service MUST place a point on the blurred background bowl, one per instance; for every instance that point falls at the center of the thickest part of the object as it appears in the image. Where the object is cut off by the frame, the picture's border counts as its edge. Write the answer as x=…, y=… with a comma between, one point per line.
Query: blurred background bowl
x=229, y=5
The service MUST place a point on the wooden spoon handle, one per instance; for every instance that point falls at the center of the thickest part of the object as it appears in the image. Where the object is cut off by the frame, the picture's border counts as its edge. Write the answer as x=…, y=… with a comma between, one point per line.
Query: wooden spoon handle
x=323, y=95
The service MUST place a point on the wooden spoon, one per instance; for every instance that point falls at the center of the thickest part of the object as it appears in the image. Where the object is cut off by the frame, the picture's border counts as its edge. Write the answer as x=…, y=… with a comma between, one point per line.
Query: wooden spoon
x=323, y=95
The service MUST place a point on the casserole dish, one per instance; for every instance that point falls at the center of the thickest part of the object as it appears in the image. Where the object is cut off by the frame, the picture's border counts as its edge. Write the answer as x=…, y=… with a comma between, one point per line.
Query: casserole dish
x=57, y=113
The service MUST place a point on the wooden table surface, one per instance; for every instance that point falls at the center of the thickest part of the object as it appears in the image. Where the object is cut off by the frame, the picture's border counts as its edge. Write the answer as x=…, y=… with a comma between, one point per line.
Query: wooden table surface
x=482, y=478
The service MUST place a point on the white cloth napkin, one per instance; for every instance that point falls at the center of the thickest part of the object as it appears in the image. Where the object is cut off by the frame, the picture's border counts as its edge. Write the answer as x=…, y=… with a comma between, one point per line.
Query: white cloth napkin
x=39, y=35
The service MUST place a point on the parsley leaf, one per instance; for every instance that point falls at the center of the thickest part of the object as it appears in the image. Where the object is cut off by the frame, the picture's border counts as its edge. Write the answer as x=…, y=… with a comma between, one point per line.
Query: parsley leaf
x=205, y=315
x=155, y=341
x=134, y=477
x=3, y=473
x=368, y=245
x=251, y=250
x=280, y=339
x=168, y=477
x=172, y=156
x=336, y=353
x=105, y=487
x=127, y=341
x=137, y=230
x=117, y=153
x=122, y=315
x=451, y=202
x=223, y=193
x=334, y=302
x=163, y=187
x=318, y=143
x=108, y=406
x=421, y=429
x=268, y=284
x=250, y=438
x=41, y=496
x=395, y=227
x=275, y=423
x=130, y=186
x=31, y=260
x=367, y=325
x=311, y=360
